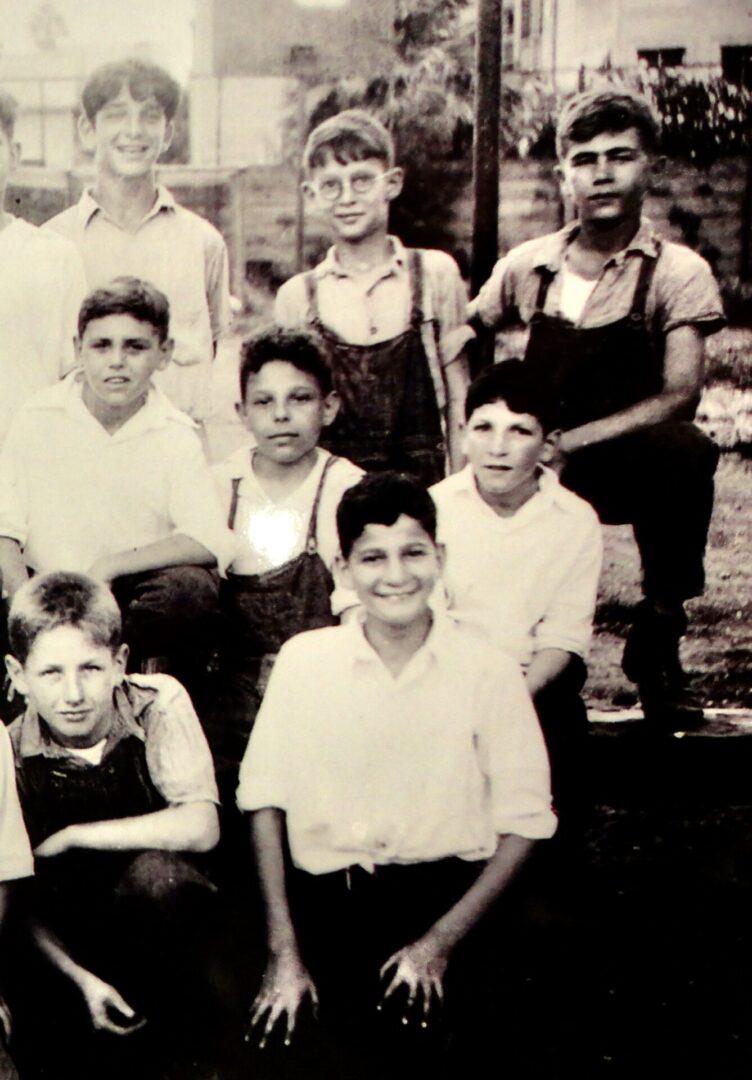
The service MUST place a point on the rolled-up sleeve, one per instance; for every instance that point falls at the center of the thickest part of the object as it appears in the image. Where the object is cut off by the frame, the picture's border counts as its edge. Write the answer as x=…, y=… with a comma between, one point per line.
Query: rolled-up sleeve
x=177, y=753
x=218, y=286
x=495, y=296
x=568, y=622
x=14, y=515
x=264, y=771
x=513, y=756
x=194, y=505
x=687, y=294
x=16, y=860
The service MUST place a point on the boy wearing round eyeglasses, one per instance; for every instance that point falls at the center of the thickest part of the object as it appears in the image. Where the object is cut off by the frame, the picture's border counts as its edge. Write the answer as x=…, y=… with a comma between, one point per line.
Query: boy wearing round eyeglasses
x=391, y=317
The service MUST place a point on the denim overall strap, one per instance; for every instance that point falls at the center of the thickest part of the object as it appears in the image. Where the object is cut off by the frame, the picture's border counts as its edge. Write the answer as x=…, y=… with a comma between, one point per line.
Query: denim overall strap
x=311, y=544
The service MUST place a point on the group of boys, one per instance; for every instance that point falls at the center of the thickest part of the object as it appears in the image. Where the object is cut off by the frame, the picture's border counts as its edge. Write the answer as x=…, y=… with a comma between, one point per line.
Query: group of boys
x=393, y=654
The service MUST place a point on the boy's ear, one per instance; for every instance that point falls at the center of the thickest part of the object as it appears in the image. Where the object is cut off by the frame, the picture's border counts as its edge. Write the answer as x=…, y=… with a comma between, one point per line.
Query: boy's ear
x=550, y=446
x=441, y=556
x=86, y=133
x=166, y=350
x=168, y=136
x=342, y=567
x=309, y=191
x=393, y=183
x=331, y=408
x=121, y=660
x=658, y=165
x=16, y=674
x=77, y=348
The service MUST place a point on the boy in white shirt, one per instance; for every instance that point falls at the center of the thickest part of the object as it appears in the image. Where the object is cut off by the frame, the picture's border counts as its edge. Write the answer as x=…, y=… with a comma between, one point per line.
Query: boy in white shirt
x=399, y=757
x=281, y=497
x=102, y=474
x=524, y=553
x=41, y=288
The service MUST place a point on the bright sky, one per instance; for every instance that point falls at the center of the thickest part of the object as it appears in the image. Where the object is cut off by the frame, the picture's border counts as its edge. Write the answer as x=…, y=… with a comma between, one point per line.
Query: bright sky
x=105, y=28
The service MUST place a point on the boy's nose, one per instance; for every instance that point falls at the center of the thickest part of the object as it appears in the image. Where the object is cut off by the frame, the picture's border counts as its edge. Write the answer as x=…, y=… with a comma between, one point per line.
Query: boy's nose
x=72, y=688
x=603, y=168
x=281, y=411
x=395, y=571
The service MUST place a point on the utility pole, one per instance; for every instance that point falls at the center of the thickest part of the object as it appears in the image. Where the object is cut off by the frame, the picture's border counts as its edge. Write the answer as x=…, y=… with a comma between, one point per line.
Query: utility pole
x=486, y=154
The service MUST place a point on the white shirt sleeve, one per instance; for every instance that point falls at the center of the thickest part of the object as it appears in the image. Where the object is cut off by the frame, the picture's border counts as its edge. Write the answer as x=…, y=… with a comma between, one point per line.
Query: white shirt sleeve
x=14, y=511
x=513, y=756
x=194, y=507
x=568, y=622
x=16, y=860
x=177, y=753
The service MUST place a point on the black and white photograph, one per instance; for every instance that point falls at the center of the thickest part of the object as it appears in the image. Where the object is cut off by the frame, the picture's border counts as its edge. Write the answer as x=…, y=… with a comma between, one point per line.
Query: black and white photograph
x=375, y=576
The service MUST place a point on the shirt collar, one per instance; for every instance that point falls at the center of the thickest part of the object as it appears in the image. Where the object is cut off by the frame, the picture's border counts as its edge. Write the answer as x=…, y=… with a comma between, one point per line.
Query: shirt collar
x=90, y=207
x=550, y=492
x=646, y=241
x=330, y=264
x=129, y=702
x=156, y=412
x=432, y=648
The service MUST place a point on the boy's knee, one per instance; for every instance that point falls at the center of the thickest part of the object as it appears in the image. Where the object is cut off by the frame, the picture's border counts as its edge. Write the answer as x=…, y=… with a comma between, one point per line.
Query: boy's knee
x=680, y=445
x=160, y=877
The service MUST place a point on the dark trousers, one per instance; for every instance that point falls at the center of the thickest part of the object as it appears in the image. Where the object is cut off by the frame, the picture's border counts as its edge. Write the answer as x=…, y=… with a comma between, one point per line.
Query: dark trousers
x=349, y=924
x=563, y=720
x=171, y=614
x=660, y=481
x=143, y=923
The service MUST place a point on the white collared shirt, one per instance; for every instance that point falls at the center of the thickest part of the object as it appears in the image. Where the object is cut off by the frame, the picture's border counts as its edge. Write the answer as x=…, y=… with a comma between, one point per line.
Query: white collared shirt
x=42, y=285
x=16, y=860
x=184, y=256
x=372, y=769
x=529, y=580
x=70, y=492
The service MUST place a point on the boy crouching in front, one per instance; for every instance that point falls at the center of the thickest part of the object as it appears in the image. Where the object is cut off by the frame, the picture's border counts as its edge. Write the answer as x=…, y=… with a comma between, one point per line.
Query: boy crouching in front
x=116, y=787
x=400, y=758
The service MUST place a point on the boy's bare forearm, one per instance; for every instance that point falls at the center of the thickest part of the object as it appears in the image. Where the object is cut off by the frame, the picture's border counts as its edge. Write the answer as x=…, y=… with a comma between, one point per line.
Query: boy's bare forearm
x=187, y=827
x=175, y=550
x=267, y=834
x=546, y=666
x=501, y=869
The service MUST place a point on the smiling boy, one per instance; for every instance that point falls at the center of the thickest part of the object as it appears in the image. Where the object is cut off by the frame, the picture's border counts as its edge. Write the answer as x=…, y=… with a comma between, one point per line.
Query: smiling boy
x=400, y=758
x=391, y=318
x=617, y=318
x=128, y=224
x=101, y=474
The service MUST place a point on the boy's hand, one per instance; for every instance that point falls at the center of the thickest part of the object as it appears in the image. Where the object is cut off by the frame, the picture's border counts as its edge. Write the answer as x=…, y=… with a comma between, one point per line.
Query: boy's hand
x=420, y=967
x=103, y=569
x=285, y=986
x=56, y=844
x=107, y=1009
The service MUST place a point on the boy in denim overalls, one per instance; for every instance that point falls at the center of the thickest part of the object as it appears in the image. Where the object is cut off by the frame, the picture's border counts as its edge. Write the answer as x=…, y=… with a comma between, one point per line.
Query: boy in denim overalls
x=281, y=497
x=617, y=317
x=391, y=317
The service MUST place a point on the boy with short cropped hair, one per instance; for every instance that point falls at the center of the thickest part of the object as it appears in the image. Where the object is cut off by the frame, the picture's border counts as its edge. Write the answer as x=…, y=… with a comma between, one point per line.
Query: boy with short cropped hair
x=127, y=223
x=618, y=317
x=523, y=554
x=399, y=757
x=391, y=317
x=100, y=473
x=41, y=287
x=116, y=786
x=281, y=496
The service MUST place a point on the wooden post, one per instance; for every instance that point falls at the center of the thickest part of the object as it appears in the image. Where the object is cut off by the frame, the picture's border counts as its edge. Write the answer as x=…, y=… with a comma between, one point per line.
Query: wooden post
x=745, y=256
x=486, y=154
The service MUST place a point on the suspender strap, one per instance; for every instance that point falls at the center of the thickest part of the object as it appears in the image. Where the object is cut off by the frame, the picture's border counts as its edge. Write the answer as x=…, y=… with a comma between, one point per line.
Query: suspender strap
x=639, y=300
x=233, y=502
x=546, y=277
x=415, y=274
x=311, y=544
x=309, y=280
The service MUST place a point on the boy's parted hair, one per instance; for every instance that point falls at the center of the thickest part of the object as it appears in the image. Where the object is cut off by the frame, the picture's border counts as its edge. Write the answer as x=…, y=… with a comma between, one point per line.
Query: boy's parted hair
x=61, y=598
x=143, y=80
x=591, y=113
x=8, y=114
x=510, y=381
x=127, y=296
x=352, y=135
x=380, y=499
x=299, y=349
